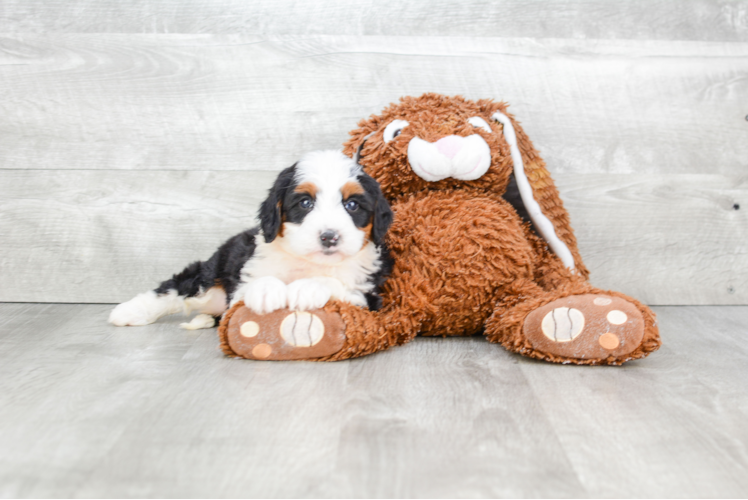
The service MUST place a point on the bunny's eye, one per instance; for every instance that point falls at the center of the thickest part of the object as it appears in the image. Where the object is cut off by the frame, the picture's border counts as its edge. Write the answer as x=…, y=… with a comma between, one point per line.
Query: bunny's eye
x=478, y=122
x=394, y=129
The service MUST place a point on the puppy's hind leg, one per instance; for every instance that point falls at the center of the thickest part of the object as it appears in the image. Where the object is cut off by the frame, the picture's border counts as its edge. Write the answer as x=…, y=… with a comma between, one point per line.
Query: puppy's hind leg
x=210, y=304
x=199, y=322
x=146, y=308
x=170, y=297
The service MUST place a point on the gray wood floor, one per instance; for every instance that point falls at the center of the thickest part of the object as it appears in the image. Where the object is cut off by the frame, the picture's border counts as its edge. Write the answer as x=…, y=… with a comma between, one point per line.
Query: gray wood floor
x=89, y=410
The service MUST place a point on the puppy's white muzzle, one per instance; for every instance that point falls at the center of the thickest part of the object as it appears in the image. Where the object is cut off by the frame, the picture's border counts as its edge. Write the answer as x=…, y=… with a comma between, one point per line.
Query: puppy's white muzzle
x=463, y=158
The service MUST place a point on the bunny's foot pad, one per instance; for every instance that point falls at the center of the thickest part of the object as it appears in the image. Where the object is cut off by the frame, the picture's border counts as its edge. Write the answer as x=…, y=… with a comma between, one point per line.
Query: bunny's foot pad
x=282, y=334
x=590, y=326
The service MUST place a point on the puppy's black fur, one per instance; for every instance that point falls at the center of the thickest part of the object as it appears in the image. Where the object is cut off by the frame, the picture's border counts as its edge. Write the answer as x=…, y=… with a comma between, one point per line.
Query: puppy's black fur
x=271, y=210
x=380, y=214
x=221, y=269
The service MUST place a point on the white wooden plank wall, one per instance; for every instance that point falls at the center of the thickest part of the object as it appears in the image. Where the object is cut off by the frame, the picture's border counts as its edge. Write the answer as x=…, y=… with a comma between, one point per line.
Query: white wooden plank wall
x=136, y=136
x=716, y=20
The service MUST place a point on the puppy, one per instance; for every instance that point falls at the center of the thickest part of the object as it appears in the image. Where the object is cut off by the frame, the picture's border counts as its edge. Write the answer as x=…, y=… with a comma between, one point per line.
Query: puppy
x=321, y=237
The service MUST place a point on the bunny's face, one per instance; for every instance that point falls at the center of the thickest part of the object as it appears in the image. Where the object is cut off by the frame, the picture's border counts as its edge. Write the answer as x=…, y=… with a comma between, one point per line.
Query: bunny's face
x=434, y=142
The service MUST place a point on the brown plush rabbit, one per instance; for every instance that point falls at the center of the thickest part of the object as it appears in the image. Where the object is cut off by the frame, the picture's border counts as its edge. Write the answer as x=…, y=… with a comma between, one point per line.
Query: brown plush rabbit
x=481, y=244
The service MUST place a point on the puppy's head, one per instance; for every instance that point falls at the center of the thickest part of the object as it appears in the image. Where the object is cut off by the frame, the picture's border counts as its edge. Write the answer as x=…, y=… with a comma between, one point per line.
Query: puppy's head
x=325, y=208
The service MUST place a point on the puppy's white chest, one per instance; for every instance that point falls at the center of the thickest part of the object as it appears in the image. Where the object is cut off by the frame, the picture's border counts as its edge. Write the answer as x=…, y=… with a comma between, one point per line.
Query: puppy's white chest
x=353, y=273
x=290, y=270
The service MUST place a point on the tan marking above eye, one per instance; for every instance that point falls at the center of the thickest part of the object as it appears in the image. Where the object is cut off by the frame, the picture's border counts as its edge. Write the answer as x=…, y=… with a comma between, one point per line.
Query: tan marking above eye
x=307, y=187
x=350, y=188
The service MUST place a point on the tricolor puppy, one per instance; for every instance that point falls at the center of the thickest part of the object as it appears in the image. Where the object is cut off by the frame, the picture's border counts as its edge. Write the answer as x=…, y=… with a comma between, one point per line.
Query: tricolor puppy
x=321, y=236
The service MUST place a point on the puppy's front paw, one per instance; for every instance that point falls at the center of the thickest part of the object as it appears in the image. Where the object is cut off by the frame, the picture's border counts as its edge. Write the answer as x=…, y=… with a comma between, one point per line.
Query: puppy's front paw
x=266, y=295
x=306, y=294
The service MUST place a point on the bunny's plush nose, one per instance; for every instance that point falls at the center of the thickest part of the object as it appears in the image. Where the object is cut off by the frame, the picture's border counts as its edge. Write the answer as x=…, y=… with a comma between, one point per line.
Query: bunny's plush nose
x=449, y=146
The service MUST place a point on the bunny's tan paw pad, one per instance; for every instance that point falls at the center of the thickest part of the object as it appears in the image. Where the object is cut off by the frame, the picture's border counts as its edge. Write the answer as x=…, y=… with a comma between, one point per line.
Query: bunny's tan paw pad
x=590, y=326
x=285, y=334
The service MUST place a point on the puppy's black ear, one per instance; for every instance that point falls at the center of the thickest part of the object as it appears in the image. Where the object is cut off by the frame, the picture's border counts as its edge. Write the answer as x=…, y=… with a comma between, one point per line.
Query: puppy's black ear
x=270, y=214
x=381, y=219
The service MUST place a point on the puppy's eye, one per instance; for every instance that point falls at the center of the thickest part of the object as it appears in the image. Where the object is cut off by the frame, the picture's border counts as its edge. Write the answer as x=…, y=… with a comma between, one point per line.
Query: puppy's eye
x=394, y=129
x=479, y=122
x=351, y=205
x=306, y=203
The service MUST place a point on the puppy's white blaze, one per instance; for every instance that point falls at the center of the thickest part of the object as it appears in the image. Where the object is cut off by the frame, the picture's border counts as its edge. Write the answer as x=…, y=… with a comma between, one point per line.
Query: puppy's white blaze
x=328, y=171
x=329, y=167
x=146, y=308
x=303, y=239
x=470, y=162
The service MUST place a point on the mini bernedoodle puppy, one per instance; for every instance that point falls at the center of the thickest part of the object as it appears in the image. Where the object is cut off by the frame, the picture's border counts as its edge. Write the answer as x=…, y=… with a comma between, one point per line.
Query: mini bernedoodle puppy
x=321, y=237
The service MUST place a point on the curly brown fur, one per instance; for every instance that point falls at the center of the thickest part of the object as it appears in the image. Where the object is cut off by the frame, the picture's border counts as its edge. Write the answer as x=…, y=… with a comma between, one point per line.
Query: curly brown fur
x=464, y=260
x=223, y=328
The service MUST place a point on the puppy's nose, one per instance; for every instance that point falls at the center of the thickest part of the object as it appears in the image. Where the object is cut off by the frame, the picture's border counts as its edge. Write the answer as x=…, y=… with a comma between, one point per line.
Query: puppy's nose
x=329, y=238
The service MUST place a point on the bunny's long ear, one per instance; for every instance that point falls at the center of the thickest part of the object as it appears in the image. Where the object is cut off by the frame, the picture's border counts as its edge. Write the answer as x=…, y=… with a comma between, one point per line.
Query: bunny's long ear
x=540, y=196
x=358, y=137
x=357, y=154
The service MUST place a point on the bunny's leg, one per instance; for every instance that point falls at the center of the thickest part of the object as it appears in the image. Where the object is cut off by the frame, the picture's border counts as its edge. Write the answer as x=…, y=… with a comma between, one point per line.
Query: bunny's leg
x=337, y=331
x=573, y=323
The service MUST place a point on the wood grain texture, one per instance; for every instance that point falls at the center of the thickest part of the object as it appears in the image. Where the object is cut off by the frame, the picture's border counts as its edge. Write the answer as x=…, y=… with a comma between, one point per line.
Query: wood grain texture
x=721, y=20
x=103, y=236
x=665, y=239
x=238, y=102
x=90, y=410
